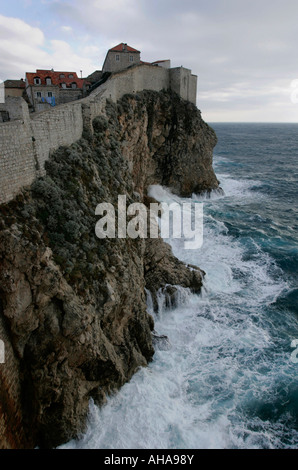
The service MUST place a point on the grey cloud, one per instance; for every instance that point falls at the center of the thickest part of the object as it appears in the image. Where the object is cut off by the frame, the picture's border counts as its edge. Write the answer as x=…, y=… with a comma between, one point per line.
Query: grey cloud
x=224, y=42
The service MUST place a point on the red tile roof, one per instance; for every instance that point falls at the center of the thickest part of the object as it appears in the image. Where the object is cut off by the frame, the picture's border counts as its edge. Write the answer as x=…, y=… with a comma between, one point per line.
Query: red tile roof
x=55, y=77
x=119, y=48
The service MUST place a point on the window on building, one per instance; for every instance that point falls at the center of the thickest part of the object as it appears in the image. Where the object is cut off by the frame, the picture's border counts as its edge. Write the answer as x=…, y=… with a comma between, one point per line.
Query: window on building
x=70, y=75
x=38, y=94
x=37, y=81
x=48, y=81
x=63, y=85
x=131, y=58
x=62, y=75
x=50, y=94
x=73, y=85
x=117, y=58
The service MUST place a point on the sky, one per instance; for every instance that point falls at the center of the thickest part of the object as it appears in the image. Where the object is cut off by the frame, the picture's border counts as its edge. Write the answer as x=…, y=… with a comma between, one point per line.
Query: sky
x=243, y=52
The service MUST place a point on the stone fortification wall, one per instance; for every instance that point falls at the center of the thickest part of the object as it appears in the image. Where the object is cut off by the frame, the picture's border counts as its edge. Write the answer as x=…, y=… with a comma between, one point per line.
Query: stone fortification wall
x=28, y=139
x=17, y=162
x=61, y=125
x=184, y=83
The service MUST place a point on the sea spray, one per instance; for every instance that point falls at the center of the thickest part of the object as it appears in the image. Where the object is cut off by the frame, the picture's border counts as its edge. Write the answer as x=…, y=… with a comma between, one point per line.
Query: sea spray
x=227, y=381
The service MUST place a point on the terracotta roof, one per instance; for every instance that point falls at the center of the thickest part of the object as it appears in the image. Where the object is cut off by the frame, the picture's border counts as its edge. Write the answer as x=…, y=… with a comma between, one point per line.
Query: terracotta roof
x=55, y=77
x=119, y=48
x=14, y=84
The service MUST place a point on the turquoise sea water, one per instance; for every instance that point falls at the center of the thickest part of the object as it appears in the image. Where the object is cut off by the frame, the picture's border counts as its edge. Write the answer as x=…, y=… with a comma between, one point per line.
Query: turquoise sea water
x=228, y=380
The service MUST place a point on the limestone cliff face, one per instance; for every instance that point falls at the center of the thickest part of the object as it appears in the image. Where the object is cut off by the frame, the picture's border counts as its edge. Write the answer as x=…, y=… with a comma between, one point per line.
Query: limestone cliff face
x=172, y=145
x=72, y=307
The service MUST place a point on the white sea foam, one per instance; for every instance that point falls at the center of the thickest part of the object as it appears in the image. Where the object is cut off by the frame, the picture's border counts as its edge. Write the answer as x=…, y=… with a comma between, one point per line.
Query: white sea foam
x=223, y=363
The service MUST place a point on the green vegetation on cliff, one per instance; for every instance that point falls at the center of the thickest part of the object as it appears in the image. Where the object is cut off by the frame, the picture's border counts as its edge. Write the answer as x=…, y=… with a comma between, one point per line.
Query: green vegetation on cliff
x=74, y=306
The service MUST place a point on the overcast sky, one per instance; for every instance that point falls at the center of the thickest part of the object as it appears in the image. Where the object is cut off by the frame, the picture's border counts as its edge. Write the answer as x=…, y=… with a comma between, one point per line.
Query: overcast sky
x=244, y=52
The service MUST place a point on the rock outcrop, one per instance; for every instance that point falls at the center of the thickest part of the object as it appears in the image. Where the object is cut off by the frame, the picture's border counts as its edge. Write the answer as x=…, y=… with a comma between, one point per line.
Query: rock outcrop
x=72, y=306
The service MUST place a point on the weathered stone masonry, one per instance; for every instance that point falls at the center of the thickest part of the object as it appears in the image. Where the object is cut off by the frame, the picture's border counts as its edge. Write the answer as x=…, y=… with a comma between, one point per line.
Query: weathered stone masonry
x=27, y=141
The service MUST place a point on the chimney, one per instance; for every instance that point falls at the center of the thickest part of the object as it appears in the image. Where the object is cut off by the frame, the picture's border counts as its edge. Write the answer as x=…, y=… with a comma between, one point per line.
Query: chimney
x=124, y=47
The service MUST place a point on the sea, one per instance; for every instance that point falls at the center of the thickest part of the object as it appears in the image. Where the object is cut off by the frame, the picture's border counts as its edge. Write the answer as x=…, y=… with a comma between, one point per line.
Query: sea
x=227, y=377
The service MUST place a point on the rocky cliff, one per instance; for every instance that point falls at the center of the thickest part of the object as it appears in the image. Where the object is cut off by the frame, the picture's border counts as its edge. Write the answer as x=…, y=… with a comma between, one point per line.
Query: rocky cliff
x=72, y=307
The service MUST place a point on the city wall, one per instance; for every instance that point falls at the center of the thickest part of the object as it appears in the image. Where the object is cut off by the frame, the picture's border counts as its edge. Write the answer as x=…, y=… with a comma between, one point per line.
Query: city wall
x=27, y=140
